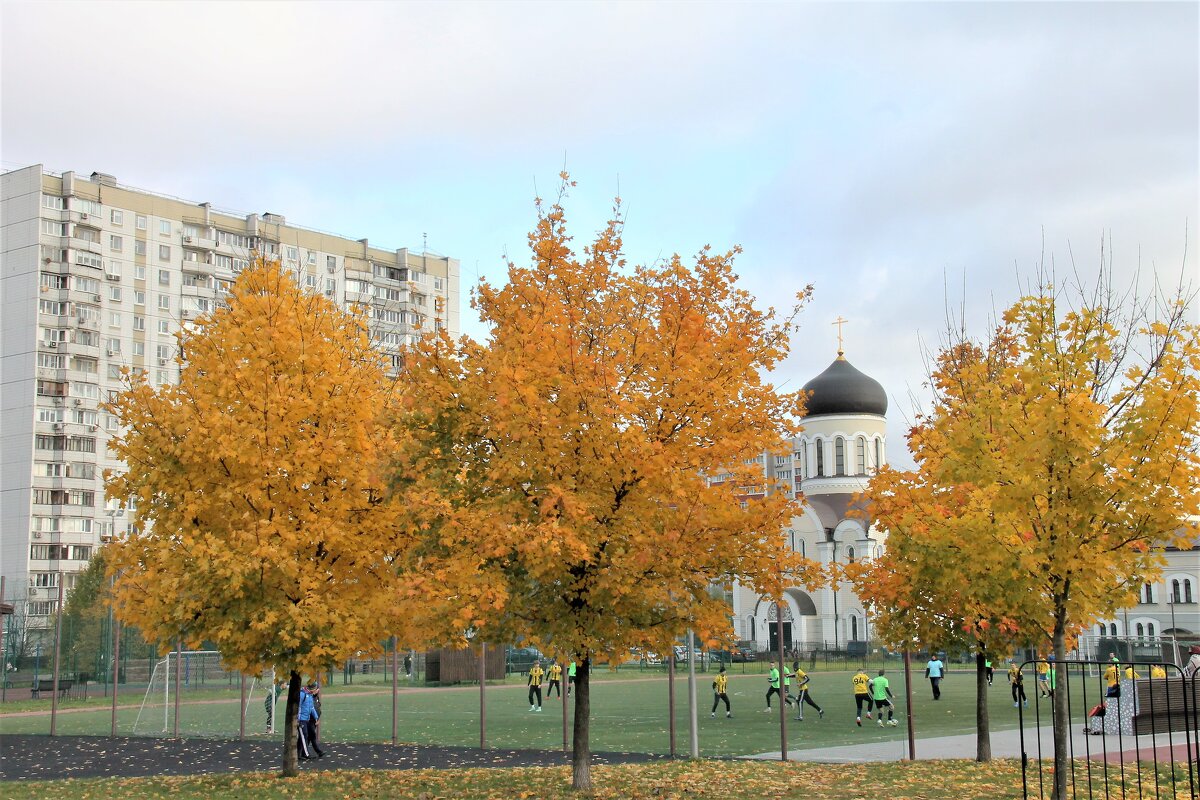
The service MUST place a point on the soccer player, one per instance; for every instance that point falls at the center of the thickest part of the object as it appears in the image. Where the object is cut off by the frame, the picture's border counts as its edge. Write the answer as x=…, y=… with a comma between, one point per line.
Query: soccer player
x=773, y=688
x=721, y=692
x=1016, y=682
x=934, y=670
x=881, y=693
x=1112, y=677
x=554, y=675
x=570, y=676
x=804, y=696
x=1043, y=678
x=535, y=685
x=987, y=669
x=862, y=694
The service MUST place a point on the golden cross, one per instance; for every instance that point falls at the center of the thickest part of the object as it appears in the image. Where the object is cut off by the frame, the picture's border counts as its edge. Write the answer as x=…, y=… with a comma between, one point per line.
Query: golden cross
x=840, y=322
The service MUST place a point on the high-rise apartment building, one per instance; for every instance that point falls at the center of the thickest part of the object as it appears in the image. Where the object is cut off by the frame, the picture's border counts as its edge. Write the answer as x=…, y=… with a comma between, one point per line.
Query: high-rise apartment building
x=97, y=276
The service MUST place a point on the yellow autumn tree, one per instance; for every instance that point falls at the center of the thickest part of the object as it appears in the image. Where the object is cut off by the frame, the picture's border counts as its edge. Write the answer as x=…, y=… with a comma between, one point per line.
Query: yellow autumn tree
x=577, y=479
x=1067, y=448
x=942, y=584
x=261, y=519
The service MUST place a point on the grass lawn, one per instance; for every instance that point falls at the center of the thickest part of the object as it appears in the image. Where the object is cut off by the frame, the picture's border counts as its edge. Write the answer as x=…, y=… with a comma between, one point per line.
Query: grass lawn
x=629, y=713
x=941, y=780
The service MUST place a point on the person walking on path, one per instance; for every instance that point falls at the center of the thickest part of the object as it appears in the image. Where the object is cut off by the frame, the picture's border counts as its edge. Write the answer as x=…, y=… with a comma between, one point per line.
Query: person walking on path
x=534, y=681
x=314, y=689
x=881, y=693
x=306, y=743
x=773, y=689
x=1016, y=682
x=804, y=694
x=721, y=692
x=862, y=694
x=554, y=676
x=934, y=670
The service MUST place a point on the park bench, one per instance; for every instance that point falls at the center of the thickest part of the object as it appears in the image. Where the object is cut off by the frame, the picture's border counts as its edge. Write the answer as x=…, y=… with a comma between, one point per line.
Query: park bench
x=1160, y=705
x=47, y=685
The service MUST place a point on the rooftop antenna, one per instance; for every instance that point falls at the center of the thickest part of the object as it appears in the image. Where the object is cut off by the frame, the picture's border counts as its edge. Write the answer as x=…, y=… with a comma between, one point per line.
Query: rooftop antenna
x=840, y=322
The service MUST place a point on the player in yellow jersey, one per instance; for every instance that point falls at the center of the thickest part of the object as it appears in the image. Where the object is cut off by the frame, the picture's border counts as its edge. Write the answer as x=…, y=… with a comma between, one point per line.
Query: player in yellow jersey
x=721, y=692
x=535, y=685
x=862, y=694
x=554, y=675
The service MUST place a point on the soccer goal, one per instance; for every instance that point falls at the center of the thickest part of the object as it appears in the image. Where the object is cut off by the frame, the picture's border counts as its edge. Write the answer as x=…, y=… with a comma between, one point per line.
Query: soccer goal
x=202, y=676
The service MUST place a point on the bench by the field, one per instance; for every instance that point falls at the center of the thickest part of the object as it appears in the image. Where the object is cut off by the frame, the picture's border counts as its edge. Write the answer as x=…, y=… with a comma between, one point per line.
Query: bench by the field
x=1152, y=705
x=1160, y=705
x=47, y=685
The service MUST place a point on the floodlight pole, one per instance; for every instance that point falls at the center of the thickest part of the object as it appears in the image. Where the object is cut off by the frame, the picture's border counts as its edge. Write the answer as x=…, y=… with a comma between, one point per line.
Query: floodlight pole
x=783, y=749
x=242, y=715
x=482, y=695
x=671, y=698
x=693, y=732
x=57, y=642
x=395, y=691
x=912, y=739
x=116, y=668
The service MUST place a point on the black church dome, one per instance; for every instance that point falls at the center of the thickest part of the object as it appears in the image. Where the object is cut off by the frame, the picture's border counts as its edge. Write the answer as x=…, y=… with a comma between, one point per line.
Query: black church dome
x=841, y=389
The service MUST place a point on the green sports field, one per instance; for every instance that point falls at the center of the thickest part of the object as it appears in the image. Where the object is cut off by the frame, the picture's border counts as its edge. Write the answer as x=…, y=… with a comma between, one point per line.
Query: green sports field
x=629, y=712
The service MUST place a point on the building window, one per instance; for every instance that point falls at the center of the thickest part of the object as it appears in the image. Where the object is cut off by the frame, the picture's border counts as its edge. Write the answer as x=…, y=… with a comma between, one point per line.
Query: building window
x=164, y=302
x=820, y=446
x=861, y=446
x=52, y=202
x=139, y=247
x=139, y=348
x=853, y=628
x=164, y=227
x=116, y=217
x=164, y=326
x=878, y=454
x=839, y=456
x=1147, y=593
x=164, y=252
x=1140, y=630
x=140, y=222
x=115, y=243
x=139, y=323
x=1150, y=629
x=1112, y=629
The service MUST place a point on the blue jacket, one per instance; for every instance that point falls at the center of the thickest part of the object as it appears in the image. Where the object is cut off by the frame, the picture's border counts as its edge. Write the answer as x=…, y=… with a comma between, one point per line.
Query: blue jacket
x=307, y=709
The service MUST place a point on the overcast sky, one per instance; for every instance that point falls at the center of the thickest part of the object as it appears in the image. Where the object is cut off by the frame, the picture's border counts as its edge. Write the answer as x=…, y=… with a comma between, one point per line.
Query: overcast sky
x=880, y=152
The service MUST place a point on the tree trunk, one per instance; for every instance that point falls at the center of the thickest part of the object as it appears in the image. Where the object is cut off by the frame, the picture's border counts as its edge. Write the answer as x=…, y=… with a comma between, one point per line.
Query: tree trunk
x=1059, y=705
x=581, y=754
x=291, y=718
x=983, y=736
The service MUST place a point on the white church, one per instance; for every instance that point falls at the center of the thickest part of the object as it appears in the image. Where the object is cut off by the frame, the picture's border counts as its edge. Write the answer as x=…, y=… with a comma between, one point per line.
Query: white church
x=842, y=444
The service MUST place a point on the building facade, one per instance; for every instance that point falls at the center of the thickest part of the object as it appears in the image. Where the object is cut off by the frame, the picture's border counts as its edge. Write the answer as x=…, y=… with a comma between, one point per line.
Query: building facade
x=842, y=444
x=96, y=277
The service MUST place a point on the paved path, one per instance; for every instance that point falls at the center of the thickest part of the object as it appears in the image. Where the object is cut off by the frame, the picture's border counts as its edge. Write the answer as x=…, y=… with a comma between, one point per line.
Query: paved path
x=1005, y=744
x=44, y=757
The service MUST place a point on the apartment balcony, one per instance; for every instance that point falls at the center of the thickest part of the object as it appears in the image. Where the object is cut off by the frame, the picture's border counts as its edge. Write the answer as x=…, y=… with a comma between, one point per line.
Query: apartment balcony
x=85, y=246
x=84, y=218
x=75, y=348
x=90, y=298
x=195, y=290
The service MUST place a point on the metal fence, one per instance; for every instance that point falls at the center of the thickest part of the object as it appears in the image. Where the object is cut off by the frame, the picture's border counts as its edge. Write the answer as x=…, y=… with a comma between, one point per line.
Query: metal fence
x=1130, y=734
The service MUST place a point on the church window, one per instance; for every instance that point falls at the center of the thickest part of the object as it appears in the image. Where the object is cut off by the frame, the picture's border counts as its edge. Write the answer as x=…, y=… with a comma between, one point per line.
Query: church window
x=820, y=445
x=1112, y=629
x=803, y=458
x=1141, y=631
x=850, y=554
x=839, y=456
x=862, y=455
x=1150, y=629
x=878, y=454
x=853, y=628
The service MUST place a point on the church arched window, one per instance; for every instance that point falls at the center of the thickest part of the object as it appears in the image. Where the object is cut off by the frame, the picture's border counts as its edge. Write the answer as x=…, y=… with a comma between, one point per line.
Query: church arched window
x=839, y=456
x=803, y=458
x=1150, y=629
x=861, y=445
x=850, y=554
x=1140, y=629
x=853, y=628
x=820, y=445
x=1112, y=629
x=878, y=453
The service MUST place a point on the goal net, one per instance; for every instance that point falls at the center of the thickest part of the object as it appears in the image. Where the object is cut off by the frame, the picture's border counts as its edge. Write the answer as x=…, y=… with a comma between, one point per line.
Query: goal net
x=208, y=695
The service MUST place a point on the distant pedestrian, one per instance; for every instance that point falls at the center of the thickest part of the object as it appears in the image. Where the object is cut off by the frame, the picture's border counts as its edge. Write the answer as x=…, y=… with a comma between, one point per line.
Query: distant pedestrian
x=314, y=689
x=804, y=692
x=721, y=692
x=534, y=680
x=570, y=676
x=881, y=693
x=554, y=675
x=934, y=670
x=987, y=670
x=408, y=666
x=1016, y=682
x=1193, y=663
x=1052, y=678
x=862, y=695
